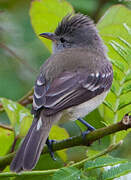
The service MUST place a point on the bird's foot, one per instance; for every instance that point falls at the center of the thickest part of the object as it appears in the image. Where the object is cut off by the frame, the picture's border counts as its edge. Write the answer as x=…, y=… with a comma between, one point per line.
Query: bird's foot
x=50, y=147
x=90, y=128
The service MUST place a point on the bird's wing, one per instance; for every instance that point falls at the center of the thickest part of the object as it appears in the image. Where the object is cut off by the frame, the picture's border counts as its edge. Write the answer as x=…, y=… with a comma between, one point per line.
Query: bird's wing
x=70, y=89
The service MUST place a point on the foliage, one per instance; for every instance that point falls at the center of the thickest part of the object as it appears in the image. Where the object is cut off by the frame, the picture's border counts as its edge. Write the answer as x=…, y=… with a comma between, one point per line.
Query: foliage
x=8, y=137
x=19, y=116
x=111, y=172
x=115, y=29
x=67, y=173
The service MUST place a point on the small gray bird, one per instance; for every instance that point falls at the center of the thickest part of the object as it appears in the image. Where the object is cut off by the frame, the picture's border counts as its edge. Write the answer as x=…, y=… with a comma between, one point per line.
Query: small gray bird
x=72, y=82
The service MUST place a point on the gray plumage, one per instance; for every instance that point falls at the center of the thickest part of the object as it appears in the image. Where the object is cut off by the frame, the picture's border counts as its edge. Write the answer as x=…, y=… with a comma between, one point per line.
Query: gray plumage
x=72, y=74
x=72, y=82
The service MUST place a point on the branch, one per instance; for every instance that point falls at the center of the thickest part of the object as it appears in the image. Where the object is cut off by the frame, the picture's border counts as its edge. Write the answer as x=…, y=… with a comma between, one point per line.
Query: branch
x=50, y=172
x=124, y=124
x=6, y=127
x=27, y=99
x=97, y=11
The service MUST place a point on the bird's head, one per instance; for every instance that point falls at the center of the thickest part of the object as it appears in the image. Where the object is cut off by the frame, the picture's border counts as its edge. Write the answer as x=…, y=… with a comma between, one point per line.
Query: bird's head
x=74, y=31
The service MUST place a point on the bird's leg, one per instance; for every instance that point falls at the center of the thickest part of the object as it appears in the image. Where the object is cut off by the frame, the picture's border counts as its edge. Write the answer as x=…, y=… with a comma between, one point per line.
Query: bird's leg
x=90, y=128
x=49, y=144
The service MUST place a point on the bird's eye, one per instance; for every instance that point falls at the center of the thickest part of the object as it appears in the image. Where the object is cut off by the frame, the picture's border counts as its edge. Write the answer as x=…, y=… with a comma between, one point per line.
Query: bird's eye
x=62, y=40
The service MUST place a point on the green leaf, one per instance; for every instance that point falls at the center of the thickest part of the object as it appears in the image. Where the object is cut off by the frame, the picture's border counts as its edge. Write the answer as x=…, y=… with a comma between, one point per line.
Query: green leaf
x=118, y=64
x=102, y=162
x=45, y=17
x=19, y=116
x=46, y=162
x=115, y=29
x=126, y=88
x=59, y=133
x=67, y=174
x=118, y=171
x=8, y=137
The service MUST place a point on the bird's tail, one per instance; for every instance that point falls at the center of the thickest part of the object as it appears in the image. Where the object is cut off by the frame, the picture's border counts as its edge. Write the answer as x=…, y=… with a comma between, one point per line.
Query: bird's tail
x=30, y=149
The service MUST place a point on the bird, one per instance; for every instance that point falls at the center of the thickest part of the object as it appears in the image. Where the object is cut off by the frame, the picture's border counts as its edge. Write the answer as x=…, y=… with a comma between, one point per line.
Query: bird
x=72, y=82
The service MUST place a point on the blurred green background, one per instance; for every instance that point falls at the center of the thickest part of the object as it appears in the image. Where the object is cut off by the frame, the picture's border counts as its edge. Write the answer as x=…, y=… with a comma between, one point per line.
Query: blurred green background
x=22, y=53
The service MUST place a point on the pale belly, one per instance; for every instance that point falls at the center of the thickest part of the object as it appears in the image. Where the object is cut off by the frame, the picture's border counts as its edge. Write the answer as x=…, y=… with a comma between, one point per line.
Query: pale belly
x=83, y=109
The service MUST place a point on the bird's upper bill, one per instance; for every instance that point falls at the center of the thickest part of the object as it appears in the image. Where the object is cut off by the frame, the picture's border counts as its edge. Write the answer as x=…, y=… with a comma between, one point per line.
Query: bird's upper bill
x=50, y=36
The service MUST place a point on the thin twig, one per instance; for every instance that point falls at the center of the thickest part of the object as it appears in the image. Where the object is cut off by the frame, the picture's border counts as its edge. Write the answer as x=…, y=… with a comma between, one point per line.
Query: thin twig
x=6, y=127
x=19, y=59
x=25, y=100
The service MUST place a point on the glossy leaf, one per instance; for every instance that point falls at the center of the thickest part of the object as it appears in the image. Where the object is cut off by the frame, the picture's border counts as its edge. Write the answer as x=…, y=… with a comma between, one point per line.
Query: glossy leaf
x=67, y=173
x=117, y=171
x=45, y=16
x=115, y=29
x=20, y=117
x=46, y=162
x=102, y=162
x=6, y=140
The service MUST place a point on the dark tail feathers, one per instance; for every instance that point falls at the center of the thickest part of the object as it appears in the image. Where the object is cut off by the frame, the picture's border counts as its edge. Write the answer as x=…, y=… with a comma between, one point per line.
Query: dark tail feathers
x=30, y=150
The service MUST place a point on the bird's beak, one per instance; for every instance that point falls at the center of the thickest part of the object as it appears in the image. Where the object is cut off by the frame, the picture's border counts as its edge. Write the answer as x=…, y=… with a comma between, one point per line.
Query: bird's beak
x=50, y=36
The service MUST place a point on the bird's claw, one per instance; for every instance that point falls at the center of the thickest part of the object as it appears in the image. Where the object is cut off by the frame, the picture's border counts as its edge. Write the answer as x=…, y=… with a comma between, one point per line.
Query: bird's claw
x=50, y=147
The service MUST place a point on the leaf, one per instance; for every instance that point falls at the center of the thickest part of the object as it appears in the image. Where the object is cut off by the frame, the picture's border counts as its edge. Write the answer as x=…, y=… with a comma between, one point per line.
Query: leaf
x=8, y=137
x=46, y=162
x=102, y=162
x=45, y=17
x=118, y=171
x=115, y=29
x=19, y=116
x=59, y=133
x=67, y=174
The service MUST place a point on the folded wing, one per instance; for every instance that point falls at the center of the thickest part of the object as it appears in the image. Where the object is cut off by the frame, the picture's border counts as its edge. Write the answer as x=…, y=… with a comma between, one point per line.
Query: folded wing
x=70, y=89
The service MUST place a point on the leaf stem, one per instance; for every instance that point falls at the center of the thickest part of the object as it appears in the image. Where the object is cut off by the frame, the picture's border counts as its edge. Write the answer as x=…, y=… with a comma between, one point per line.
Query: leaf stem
x=28, y=173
